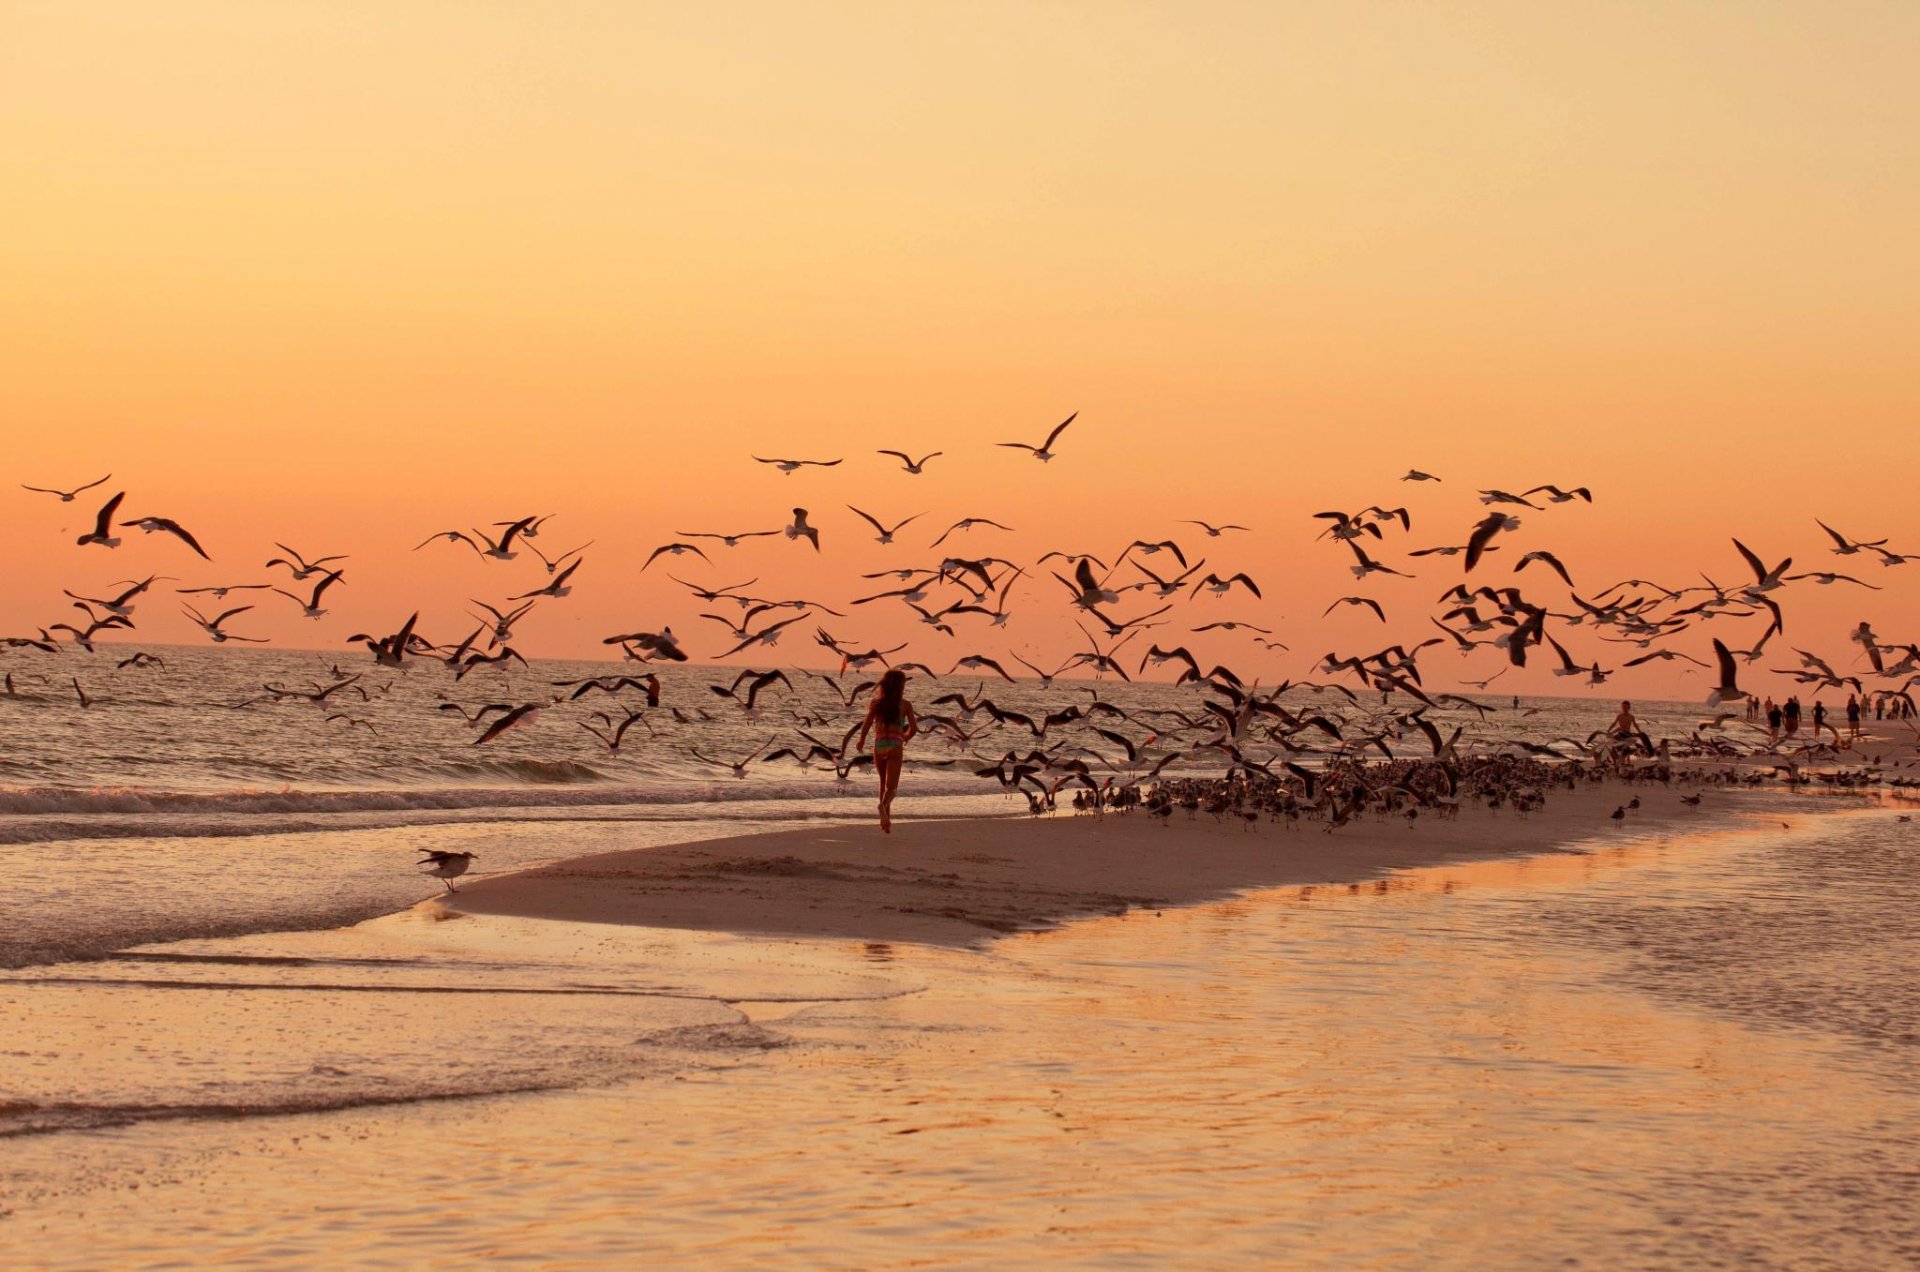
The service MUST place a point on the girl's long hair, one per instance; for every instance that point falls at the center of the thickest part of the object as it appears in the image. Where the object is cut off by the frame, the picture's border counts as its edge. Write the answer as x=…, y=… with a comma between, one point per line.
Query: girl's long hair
x=893, y=688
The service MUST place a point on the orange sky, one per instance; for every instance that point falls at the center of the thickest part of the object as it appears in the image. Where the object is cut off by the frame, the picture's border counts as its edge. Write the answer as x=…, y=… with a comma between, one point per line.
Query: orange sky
x=346, y=275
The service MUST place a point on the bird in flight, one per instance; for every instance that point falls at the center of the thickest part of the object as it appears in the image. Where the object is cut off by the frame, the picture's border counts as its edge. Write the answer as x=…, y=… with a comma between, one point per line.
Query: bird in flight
x=1044, y=451
x=910, y=464
x=788, y=467
x=212, y=625
x=674, y=549
x=102, y=532
x=66, y=496
x=800, y=528
x=302, y=568
x=1213, y=531
x=885, y=533
x=167, y=525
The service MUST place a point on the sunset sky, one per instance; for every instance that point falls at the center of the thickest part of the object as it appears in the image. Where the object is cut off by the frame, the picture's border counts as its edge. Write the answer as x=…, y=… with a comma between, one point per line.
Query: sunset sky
x=343, y=275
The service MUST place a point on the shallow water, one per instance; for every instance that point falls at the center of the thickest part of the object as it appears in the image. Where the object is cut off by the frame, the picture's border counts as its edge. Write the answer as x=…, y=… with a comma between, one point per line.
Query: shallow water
x=1666, y=1051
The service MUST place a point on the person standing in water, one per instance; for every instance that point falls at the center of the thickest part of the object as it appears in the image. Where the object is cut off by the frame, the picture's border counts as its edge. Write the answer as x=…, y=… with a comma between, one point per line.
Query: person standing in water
x=891, y=720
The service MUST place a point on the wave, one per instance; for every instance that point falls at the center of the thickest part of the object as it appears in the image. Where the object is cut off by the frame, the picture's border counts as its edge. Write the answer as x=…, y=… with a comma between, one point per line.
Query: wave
x=37, y=814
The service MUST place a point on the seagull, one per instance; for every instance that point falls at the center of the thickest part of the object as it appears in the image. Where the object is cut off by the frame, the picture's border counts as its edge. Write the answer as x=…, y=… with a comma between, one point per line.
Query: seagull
x=1728, y=690
x=1550, y=559
x=1502, y=497
x=1213, y=532
x=979, y=662
x=391, y=651
x=503, y=621
x=755, y=682
x=1234, y=625
x=164, y=524
x=1558, y=495
x=102, y=532
x=1367, y=565
x=674, y=549
x=220, y=593
x=886, y=534
x=1218, y=586
x=612, y=741
x=1044, y=451
x=557, y=588
x=1089, y=593
x=1367, y=601
x=726, y=540
x=506, y=654
x=1414, y=474
x=446, y=866
x=212, y=625
x=1843, y=546
x=660, y=644
x=501, y=550
x=121, y=604
x=66, y=496
x=739, y=766
x=526, y=713
x=302, y=568
x=1165, y=588
x=965, y=523
x=997, y=616
x=912, y=465
x=800, y=527
x=553, y=562
x=1664, y=655
x=788, y=467
x=768, y=635
x=312, y=604
x=1765, y=580
x=84, y=639
x=1494, y=523
x=1826, y=578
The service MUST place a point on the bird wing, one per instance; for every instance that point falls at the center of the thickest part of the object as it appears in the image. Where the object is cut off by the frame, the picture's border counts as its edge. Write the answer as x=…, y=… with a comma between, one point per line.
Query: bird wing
x=104, y=519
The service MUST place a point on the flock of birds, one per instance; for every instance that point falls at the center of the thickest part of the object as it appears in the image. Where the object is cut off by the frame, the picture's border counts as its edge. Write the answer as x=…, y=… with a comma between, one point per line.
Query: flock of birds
x=1277, y=748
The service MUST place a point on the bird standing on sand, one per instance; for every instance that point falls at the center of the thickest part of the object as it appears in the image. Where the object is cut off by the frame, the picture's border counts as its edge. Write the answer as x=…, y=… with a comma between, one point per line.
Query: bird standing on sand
x=446, y=866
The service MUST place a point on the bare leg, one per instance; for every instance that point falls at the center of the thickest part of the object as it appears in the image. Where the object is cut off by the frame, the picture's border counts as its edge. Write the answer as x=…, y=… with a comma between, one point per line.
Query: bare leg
x=887, y=767
x=890, y=785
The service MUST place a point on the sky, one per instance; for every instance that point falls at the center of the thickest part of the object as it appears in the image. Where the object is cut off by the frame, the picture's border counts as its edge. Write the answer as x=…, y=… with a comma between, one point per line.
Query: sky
x=341, y=276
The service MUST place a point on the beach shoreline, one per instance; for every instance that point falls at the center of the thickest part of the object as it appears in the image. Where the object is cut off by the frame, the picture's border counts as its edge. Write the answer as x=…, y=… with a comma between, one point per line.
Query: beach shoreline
x=967, y=882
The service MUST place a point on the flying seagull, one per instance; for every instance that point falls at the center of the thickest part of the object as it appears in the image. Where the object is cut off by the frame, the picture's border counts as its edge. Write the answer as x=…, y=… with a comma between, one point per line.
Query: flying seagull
x=912, y=465
x=1044, y=451
x=788, y=467
x=66, y=496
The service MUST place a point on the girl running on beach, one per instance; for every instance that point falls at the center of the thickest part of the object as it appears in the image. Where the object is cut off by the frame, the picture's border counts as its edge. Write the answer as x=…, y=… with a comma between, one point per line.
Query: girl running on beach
x=892, y=720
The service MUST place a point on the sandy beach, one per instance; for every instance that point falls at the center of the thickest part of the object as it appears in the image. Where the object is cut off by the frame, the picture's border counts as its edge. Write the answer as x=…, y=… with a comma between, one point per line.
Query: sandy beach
x=964, y=882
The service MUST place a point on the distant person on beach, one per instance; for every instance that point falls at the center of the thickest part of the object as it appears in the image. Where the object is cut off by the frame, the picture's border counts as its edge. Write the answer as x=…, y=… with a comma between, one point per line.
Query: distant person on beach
x=1853, y=719
x=1625, y=730
x=1791, y=715
x=1774, y=716
x=891, y=719
x=1820, y=721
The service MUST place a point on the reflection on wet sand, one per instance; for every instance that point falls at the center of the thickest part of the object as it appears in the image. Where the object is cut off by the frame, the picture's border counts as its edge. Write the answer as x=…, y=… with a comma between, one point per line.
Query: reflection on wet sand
x=1508, y=1061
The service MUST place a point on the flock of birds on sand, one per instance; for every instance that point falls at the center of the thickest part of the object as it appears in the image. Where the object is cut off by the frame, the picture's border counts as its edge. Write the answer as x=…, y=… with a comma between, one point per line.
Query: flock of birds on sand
x=1283, y=759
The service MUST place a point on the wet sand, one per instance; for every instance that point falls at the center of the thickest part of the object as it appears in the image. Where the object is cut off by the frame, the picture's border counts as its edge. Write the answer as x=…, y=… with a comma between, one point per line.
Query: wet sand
x=963, y=883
